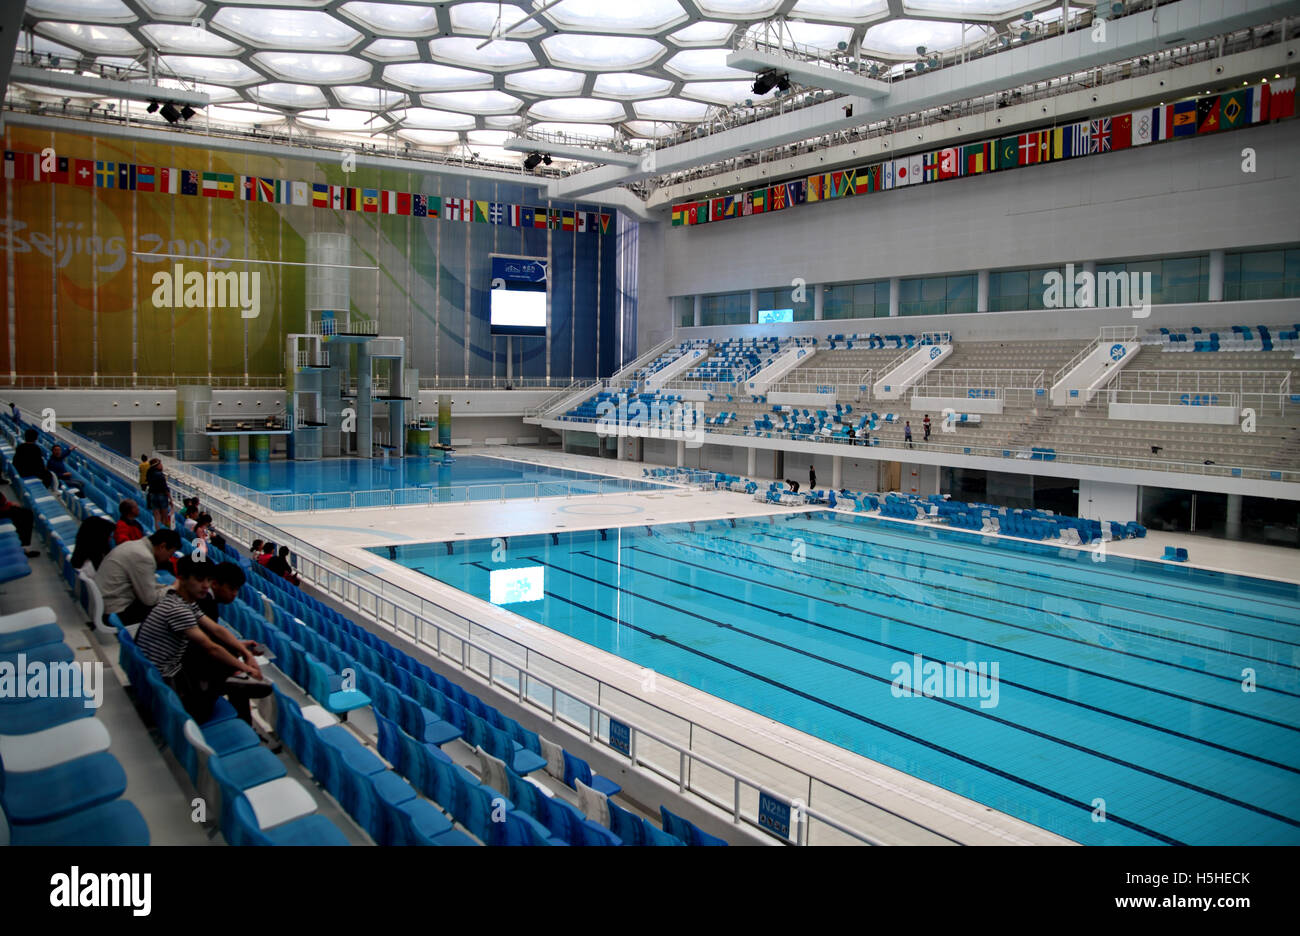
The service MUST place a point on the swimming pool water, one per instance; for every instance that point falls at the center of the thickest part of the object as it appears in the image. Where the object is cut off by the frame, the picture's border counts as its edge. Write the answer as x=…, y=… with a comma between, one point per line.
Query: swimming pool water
x=1122, y=685
x=367, y=482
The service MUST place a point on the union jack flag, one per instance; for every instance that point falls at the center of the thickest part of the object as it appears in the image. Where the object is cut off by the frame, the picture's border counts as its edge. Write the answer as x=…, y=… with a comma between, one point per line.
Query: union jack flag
x=1099, y=136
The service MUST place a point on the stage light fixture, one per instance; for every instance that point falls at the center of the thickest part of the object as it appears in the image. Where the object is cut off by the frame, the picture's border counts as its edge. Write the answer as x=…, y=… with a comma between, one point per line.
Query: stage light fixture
x=170, y=113
x=764, y=82
x=152, y=108
x=187, y=112
x=532, y=161
x=546, y=159
x=783, y=84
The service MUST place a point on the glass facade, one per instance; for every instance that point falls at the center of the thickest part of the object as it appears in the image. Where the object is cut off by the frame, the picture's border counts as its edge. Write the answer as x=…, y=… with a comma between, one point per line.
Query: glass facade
x=786, y=299
x=856, y=300
x=1262, y=274
x=937, y=295
x=725, y=309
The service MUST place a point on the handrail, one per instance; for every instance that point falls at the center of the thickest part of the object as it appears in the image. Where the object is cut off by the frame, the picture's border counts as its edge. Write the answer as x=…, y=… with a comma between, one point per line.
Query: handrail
x=136, y=381
x=1002, y=378
x=554, y=399
x=1075, y=361
x=627, y=370
x=1173, y=398
x=350, y=586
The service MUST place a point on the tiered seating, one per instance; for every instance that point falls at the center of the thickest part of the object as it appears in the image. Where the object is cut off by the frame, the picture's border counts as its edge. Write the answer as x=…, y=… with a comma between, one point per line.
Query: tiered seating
x=1237, y=338
x=871, y=342
x=736, y=359
x=668, y=357
x=590, y=409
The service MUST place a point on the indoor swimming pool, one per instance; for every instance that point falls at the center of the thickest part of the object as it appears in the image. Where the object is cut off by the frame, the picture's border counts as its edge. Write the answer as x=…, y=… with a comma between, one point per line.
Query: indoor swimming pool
x=336, y=483
x=1111, y=702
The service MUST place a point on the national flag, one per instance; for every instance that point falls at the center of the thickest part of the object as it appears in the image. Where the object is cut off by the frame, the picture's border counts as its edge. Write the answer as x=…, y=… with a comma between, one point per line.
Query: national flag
x=1121, y=136
x=124, y=176
x=868, y=179
x=105, y=172
x=760, y=200
x=61, y=171
x=888, y=174
x=11, y=164
x=1259, y=103
x=604, y=223
x=975, y=158
x=950, y=163
x=320, y=195
x=1044, y=146
x=1207, y=114
x=1006, y=156
x=247, y=188
x=776, y=197
x=1144, y=124
x=902, y=171
x=26, y=167
x=299, y=193
x=189, y=182
x=1183, y=119
x=693, y=213
x=481, y=212
x=452, y=206
x=679, y=215
x=567, y=220
x=1029, y=150
x=814, y=187
x=418, y=207
x=746, y=204
x=433, y=205
x=1234, y=108
x=497, y=213
x=556, y=217
x=1075, y=140
x=268, y=190
x=83, y=172
x=404, y=203
x=915, y=169
x=1281, y=99
x=527, y=220
x=388, y=202
x=542, y=218
x=336, y=197
x=1162, y=123
x=146, y=178
x=796, y=191
x=1099, y=132
x=930, y=167
x=219, y=184
x=352, y=198
x=370, y=200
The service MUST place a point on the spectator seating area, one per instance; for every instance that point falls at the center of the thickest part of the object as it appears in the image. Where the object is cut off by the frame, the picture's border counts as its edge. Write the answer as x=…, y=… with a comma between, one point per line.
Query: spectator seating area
x=737, y=359
x=1237, y=338
x=672, y=354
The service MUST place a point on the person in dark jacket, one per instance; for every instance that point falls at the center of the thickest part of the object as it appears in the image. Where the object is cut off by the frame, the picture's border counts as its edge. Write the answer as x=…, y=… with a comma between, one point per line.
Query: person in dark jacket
x=94, y=541
x=28, y=460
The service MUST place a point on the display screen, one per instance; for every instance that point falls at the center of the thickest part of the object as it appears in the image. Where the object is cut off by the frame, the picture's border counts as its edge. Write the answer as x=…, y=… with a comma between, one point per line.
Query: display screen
x=511, y=586
x=771, y=316
x=518, y=312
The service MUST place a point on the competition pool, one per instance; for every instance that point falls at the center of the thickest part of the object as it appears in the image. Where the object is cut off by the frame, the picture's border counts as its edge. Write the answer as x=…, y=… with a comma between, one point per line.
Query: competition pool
x=1036, y=680
x=333, y=483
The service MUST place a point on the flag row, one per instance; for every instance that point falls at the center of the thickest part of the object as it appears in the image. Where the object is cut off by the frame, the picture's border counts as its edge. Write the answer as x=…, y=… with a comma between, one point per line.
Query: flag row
x=34, y=167
x=1189, y=118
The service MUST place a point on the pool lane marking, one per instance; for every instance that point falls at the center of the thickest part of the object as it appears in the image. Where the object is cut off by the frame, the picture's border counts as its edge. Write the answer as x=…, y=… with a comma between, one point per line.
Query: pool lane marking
x=1118, y=627
x=904, y=650
x=1005, y=775
x=948, y=702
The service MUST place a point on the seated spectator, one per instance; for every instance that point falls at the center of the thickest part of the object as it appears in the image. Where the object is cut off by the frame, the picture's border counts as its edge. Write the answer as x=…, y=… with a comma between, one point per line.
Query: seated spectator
x=279, y=564
x=794, y=486
x=28, y=460
x=15, y=412
x=194, y=654
x=128, y=527
x=94, y=542
x=191, y=516
x=126, y=576
x=22, y=519
x=227, y=580
x=56, y=466
x=268, y=553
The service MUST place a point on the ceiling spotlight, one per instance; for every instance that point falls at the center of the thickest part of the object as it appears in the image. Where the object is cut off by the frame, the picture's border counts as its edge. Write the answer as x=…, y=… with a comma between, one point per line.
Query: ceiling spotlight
x=783, y=83
x=170, y=113
x=187, y=112
x=532, y=161
x=546, y=159
x=153, y=106
x=764, y=82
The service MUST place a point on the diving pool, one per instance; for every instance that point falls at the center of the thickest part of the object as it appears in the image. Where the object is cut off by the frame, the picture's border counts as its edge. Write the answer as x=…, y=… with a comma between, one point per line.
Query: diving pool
x=1032, y=679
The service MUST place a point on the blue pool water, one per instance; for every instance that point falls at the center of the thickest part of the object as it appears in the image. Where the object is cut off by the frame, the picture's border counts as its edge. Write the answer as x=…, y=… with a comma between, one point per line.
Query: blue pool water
x=366, y=482
x=1118, y=681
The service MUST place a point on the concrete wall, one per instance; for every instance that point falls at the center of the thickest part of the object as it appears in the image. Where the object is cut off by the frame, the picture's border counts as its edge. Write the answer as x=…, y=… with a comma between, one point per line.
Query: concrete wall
x=1102, y=500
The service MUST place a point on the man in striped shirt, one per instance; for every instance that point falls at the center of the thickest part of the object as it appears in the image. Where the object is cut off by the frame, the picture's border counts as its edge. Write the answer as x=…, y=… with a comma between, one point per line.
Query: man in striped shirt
x=195, y=655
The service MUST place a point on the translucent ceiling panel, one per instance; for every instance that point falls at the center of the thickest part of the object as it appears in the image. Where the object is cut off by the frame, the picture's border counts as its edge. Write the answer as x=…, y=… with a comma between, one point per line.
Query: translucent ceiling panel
x=245, y=116
x=392, y=50
x=43, y=46
x=488, y=137
x=719, y=92
x=610, y=53
x=651, y=129
x=900, y=38
x=288, y=95
x=617, y=17
x=853, y=11
x=703, y=33
x=430, y=137
x=421, y=76
x=463, y=50
x=579, y=130
x=426, y=118
x=546, y=81
x=485, y=18
x=748, y=9
x=511, y=122
x=396, y=19
x=486, y=153
x=819, y=35
x=310, y=66
x=187, y=40
x=474, y=102
x=959, y=8
x=341, y=120
x=211, y=70
x=104, y=11
x=702, y=64
x=625, y=85
x=168, y=7
x=670, y=109
x=102, y=40
x=578, y=109
x=218, y=94
x=288, y=29
x=362, y=96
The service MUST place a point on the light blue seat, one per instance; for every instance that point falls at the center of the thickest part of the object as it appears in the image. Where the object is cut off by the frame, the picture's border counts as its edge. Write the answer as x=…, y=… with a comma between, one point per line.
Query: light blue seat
x=58, y=791
x=353, y=753
x=686, y=830
x=242, y=829
x=337, y=702
x=19, y=640
x=26, y=716
x=575, y=768
x=114, y=823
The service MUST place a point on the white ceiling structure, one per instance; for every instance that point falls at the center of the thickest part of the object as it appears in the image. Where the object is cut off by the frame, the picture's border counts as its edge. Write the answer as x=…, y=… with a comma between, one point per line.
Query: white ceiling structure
x=475, y=74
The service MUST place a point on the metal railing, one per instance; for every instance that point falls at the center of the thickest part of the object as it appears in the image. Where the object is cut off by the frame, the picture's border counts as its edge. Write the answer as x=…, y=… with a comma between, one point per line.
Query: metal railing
x=974, y=382
x=313, y=359
x=826, y=380
x=1171, y=398
x=566, y=398
x=678, y=749
x=629, y=369
x=494, y=383
x=331, y=326
x=1075, y=361
x=136, y=381
x=1205, y=381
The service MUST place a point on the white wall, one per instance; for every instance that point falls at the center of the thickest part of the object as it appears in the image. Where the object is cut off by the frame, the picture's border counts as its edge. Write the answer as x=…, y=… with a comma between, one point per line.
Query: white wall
x=1102, y=500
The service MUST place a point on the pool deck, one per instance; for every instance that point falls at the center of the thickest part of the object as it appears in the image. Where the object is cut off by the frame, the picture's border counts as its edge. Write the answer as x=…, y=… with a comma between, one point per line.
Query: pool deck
x=346, y=534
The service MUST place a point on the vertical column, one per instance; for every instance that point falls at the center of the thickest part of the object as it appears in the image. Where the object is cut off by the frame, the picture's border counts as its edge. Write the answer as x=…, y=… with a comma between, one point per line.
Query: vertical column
x=753, y=307
x=699, y=306
x=1232, y=523
x=1216, y=279
x=751, y=463
x=982, y=292
x=681, y=453
x=837, y=472
x=819, y=303
x=365, y=404
x=894, y=289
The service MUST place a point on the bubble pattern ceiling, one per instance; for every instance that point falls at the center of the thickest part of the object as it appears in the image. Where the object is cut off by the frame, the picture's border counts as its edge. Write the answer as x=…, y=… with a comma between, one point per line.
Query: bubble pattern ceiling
x=601, y=69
